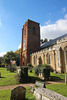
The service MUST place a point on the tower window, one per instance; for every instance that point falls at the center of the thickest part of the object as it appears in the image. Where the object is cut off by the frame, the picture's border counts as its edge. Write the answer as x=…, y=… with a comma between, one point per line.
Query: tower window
x=24, y=40
x=33, y=30
x=25, y=31
x=24, y=48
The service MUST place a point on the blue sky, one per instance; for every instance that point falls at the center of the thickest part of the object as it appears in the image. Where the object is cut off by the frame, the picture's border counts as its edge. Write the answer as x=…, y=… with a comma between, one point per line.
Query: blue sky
x=51, y=14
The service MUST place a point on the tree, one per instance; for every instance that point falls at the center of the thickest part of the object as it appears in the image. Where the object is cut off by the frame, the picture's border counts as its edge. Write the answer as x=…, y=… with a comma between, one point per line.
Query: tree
x=11, y=56
x=45, y=40
x=17, y=53
x=8, y=57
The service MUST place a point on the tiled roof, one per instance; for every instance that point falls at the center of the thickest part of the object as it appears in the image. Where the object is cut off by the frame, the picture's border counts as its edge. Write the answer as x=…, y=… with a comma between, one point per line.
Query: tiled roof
x=52, y=42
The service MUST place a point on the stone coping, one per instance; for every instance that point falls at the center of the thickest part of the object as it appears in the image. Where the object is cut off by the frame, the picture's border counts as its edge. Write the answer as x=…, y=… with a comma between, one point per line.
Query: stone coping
x=50, y=94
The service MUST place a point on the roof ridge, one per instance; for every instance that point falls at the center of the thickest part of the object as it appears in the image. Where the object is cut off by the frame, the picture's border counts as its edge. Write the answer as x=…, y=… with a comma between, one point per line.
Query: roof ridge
x=52, y=41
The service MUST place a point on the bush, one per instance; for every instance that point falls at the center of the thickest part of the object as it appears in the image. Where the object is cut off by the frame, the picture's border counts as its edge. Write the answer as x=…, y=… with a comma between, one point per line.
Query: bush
x=44, y=69
x=28, y=64
x=37, y=71
x=45, y=65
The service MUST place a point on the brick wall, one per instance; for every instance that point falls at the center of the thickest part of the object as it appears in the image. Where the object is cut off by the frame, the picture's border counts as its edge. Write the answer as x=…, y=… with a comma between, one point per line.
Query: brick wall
x=32, y=41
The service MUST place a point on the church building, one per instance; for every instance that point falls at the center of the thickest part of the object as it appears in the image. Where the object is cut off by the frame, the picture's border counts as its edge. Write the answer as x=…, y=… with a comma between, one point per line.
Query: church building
x=53, y=52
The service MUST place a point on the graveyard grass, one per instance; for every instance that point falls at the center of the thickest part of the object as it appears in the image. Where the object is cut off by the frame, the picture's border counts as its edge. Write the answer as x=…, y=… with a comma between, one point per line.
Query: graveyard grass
x=7, y=78
x=5, y=94
x=59, y=88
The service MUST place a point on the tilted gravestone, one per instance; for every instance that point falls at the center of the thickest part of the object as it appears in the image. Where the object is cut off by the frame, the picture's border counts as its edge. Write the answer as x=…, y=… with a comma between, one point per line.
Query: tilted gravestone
x=18, y=93
x=40, y=84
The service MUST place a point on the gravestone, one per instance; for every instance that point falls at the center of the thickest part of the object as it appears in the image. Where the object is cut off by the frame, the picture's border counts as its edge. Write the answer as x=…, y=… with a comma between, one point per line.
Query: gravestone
x=40, y=84
x=8, y=67
x=11, y=69
x=65, y=79
x=0, y=74
x=46, y=94
x=14, y=66
x=18, y=93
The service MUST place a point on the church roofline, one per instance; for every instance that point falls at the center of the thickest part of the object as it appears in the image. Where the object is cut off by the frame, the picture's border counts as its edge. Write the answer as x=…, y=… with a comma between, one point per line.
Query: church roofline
x=52, y=42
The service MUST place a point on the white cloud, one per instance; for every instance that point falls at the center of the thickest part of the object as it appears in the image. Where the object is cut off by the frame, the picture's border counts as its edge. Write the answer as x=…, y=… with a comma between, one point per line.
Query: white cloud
x=2, y=54
x=63, y=10
x=51, y=31
x=65, y=16
x=19, y=46
x=48, y=22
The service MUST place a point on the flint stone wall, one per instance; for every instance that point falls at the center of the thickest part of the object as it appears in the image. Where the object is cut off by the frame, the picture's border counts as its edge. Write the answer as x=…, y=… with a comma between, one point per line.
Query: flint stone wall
x=46, y=94
x=18, y=93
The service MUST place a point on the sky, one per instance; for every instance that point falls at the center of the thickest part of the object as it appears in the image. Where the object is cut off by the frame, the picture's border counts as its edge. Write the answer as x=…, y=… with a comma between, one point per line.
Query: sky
x=51, y=14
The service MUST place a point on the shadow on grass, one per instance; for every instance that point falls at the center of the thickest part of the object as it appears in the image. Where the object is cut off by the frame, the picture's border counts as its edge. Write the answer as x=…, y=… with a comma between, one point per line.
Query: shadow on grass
x=55, y=78
x=30, y=79
x=27, y=99
x=2, y=77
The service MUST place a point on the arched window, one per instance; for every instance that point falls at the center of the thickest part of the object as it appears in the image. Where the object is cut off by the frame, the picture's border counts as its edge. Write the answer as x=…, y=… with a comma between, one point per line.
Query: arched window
x=44, y=58
x=23, y=57
x=33, y=30
x=25, y=31
x=48, y=58
x=34, y=60
x=65, y=54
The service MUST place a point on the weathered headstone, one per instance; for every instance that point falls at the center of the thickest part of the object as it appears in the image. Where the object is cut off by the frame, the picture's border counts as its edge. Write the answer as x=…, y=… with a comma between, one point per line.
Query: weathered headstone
x=65, y=79
x=11, y=69
x=8, y=67
x=14, y=66
x=0, y=74
x=18, y=93
x=46, y=94
x=40, y=84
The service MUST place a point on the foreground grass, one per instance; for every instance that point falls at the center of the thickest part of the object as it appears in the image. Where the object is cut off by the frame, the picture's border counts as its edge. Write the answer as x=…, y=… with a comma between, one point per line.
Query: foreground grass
x=7, y=78
x=59, y=88
x=5, y=94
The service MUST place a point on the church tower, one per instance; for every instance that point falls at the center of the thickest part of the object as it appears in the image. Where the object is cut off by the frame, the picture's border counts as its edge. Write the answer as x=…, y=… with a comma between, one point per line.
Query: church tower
x=30, y=41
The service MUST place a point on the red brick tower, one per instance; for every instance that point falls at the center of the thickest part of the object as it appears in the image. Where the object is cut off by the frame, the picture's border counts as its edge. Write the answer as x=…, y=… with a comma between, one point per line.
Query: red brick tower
x=30, y=41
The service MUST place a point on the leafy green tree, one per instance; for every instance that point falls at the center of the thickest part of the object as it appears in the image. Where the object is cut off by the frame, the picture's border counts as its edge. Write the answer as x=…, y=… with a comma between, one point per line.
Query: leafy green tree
x=17, y=53
x=8, y=57
x=11, y=56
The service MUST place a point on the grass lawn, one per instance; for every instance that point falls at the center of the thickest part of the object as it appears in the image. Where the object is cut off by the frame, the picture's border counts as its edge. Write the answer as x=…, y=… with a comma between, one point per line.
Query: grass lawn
x=5, y=94
x=57, y=76
x=59, y=88
x=7, y=78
